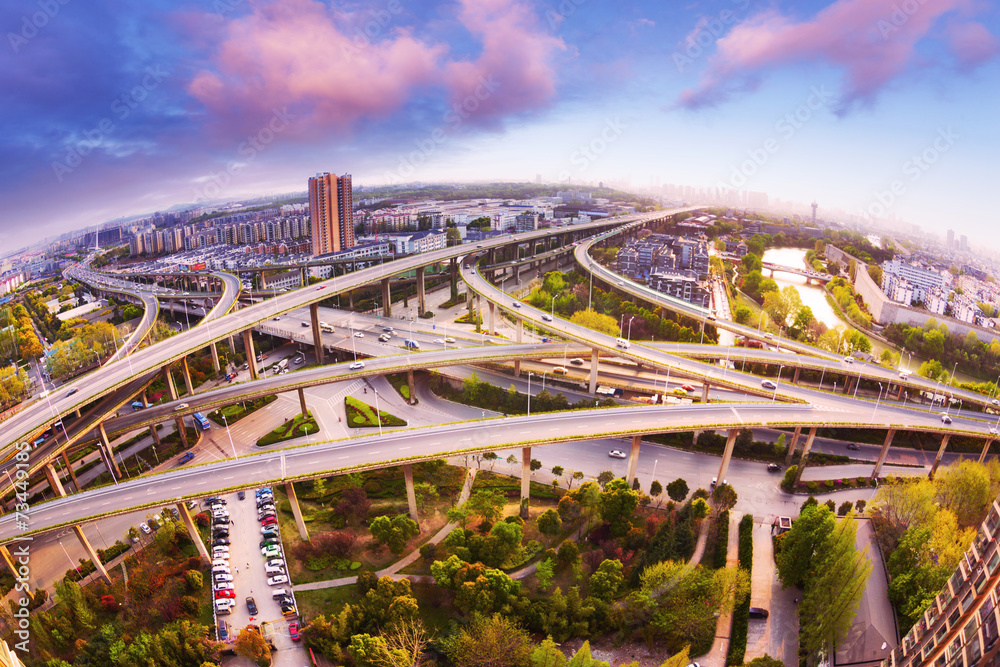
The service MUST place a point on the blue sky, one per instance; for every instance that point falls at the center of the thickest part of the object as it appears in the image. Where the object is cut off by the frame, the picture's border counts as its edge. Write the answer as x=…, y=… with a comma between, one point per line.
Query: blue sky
x=115, y=108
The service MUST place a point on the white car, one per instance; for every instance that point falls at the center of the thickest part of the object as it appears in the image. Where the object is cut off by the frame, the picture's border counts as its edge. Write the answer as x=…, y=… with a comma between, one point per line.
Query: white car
x=452, y=340
x=182, y=406
x=617, y=454
x=546, y=318
x=767, y=384
x=222, y=576
x=275, y=562
x=279, y=579
x=144, y=528
x=848, y=360
x=358, y=334
x=439, y=341
x=357, y=365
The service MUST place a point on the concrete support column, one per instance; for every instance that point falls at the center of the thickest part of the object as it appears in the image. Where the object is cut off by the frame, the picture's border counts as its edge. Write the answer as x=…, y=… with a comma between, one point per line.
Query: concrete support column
x=409, y=384
x=187, y=377
x=633, y=459
x=454, y=276
x=55, y=483
x=302, y=401
x=421, y=293
x=982, y=457
x=804, y=459
x=468, y=299
x=108, y=453
x=232, y=345
x=386, y=298
x=798, y=372
x=145, y=399
x=182, y=431
x=92, y=554
x=704, y=392
x=316, y=332
x=882, y=454
x=792, y=447
x=215, y=357
x=695, y=435
x=156, y=436
x=520, y=330
x=937, y=459
x=293, y=500
x=250, y=352
x=350, y=300
x=593, y=371
x=69, y=468
x=192, y=530
x=517, y=367
x=727, y=454
x=493, y=329
x=411, y=495
x=525, y=480
x=168, y=379
x=899, y=392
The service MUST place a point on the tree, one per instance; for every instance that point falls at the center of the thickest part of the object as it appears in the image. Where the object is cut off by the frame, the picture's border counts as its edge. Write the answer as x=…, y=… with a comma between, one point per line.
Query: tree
x=459, y=514
x=799, y=547
x=491, y=456
x=607, y=580
x=964, y=488
x=494, y=641
x=596, y=321
x=699, y=508
x=577, y=475
x=557, y=471
x=545, y=571
x=583, y=658
x=604, y=477
x=512, y=460
x=765, y=660
x=487, y=504
x=677, y=490
x=655, y=491
x=535, y=465
x=724, y=496
x=354, y=504
x=394, y=532
x=833, y=589
x=549, y=522
x=425, y=493
x=547, y=654
x=251, y=645
x=617, y=503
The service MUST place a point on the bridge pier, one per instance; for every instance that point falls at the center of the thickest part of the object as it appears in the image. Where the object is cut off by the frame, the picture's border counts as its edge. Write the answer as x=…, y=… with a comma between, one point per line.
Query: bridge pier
x=704, y=392
x=232, y=345
x=215, y=357
x=411, y=494
x=804, y=459
x=890, y=434
x=593, y=371
x=192, y=530
x=940, y=453
x=790, y=454
x=454, y=277
x=525, y=480
x=795, y=377
x=409, y=384
x=519, y=332
x=986, y=448
x=52, y=475
x=188, y=385
x=386, y=298
x=293, y=500
x=317, y=333
x=695, y=435
x=633, y=459
x=92, y=553
x=421, y=293
x=250, y=353
x=69, y=467
x=8, y=560
x=727, y=454
x=109, y=455
x=302, y=401
x=168, y=379
x=156, y=436
x=468, y=300
x=492, y=329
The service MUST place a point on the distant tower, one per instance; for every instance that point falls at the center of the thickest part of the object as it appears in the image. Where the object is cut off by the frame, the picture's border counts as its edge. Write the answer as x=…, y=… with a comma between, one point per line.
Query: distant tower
x=815, y=206
x=951, y=239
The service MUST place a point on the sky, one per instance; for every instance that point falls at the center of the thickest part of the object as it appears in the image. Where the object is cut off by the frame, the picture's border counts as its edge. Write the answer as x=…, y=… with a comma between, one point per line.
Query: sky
x=882, y=108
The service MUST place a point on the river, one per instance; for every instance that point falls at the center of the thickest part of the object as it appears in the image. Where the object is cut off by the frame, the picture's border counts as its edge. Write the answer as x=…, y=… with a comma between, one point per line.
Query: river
x=813, y=296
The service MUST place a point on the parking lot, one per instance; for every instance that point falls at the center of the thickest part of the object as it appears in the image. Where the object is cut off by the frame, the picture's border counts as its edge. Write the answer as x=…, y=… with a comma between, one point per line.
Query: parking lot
x=250, y=579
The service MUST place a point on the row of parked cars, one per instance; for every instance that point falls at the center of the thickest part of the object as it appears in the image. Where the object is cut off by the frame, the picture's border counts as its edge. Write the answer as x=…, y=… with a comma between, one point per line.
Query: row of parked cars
x=274, y=563
x=222, y=576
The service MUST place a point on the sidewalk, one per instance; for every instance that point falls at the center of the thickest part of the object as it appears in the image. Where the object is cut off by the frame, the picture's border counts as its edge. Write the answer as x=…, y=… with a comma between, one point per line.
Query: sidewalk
x=409, y=558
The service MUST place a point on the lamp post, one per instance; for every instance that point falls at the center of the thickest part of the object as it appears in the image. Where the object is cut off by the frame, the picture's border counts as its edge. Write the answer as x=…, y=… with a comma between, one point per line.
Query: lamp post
x=996, y=386
x=775, y=394
x=953, y=370
x=378, y=413
x=543, y=381
x=71, y=564
x=529, y=392
x=590, y=300
x=760, y=321
x=856, y=386
x=630, y=329
x=552, y=310
x=877, y=400
x=226, y=422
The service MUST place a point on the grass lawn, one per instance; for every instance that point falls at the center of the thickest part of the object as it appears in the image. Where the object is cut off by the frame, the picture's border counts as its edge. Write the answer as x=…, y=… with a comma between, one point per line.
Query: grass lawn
x=326, y=601
x=400, y=384
x=298, y=427
x=234, y=413
x=362, y=415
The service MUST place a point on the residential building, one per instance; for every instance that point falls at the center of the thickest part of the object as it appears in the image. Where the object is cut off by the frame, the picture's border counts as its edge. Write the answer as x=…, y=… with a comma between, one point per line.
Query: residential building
x=331, y=212
x=683, y=285
x=526, y=222
x=922, y=279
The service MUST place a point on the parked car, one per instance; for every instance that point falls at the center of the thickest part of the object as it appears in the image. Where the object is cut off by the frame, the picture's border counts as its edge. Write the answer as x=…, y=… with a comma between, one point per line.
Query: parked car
x=227, y=593
x=773, y=467
x=275, y=562
x=270, y=551
x=279, y=579
x=293, y=631
x=241, y=495
x=268, y=521
x=220, y=541
x=251, y=606
x=269, y=542
x=758, y=612
x=617, y=454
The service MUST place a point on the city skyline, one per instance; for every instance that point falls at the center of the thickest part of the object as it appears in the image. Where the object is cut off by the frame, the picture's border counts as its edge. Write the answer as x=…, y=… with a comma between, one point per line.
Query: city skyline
x=868, y=107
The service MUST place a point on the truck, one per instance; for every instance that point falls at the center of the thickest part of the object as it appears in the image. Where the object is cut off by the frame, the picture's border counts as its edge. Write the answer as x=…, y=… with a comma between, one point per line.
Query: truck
x=610, y=391
x=283, y=364
x=137, y=405
x=328, y=328
x=411, y=344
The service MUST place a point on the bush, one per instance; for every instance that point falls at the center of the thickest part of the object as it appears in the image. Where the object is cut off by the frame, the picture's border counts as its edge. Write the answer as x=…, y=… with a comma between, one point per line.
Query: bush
x=741, y=615
x=813, y=486
x=828, y=483
x=844, y=508
x=860, y=506
x=721, y=541
x=832, y=505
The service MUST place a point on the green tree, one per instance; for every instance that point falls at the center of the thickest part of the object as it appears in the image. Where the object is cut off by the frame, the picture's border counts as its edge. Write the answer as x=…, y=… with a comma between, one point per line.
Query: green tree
x=487, y=504
x=549, y=522
x=545, y=571
x=251, y=645
x=656, y=491
x=617, y=503
x=799, y=546
x=547, y=654
x=604, y=477
x=394, y=532
x=724, y=496
x=535, y=465
x=765, y=660
x=596, y=321
x=583, y=658
x=425, y=493
x=607, y=580
x=965, y=489
x=492, y=641
x=677, y=490
x=557, y=471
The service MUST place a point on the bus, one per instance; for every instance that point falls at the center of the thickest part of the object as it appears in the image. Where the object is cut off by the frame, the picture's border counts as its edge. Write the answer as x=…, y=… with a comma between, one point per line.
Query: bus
x=200, y=420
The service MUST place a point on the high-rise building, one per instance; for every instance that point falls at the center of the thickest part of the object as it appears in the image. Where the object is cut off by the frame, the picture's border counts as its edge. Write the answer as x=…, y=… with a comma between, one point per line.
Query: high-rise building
x=814, y=207
x=331, y=206
x=963, y=243
x=951, y=239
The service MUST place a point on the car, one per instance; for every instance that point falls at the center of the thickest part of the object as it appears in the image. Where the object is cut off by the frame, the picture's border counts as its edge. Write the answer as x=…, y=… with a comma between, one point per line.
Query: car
x=387, y=329
x=270, y=551
x=848, y=360
x=358, y=334
x=225, y=593
x=268, y=530
x=277, y=319
x=269, y=542
x=517, y=304
x=220, y=541
x=144, y=528
x=269, y=521
x=449, y=339
x=321, y=287
x=275, y=562
x=945, y=419
x=293, y=631
x=773, y=467
x=265, y=502
x=904, y=376
x=72, y=391
x=479, y=246
x=993, y=430
x=439, y=341
x=252, y=606
x=576, y=362
x=715, y=480
x=182, y=406
x=216, y=501
x=287, y=606
x=620, y=282
x=277, y=579
x=384, y=338
x=767, y=384
x=995, y=401
x=357, y=365
x=305, y=324
x=853, y=446
x=617, y=454
x=263, y=512
x=687, y=387
x=262, y=490
x=758, y=612
x=546, y=317
x=223, y=576
x=241, y=495
x=559, y=370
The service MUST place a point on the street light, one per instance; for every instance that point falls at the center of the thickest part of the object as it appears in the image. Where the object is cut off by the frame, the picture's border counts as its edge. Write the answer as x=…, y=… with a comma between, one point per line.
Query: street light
x=760, y=321
x=226, y=422
x=877, y=400
x=529, y=392
x=630, y=328
x=378, y=413
x=543, y=381
x=775, y=394
x=552, y=311
x=73, y=566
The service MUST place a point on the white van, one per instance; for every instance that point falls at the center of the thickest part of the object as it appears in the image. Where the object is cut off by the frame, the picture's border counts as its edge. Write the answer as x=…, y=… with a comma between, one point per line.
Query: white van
x=222, y=606
x=279, y=593
x=221, y=568
x=274, y=569
x=622, y=343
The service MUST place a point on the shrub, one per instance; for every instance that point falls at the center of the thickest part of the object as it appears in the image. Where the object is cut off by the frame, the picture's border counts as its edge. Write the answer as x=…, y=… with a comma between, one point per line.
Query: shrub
x=862, y=482
x=741, y=615
x=189, y=604
x=721, y=541
x=828, y=483
x=813, y=486
x=832, y=505
x=195, y=579
x=844, y=508
x=860, y=506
